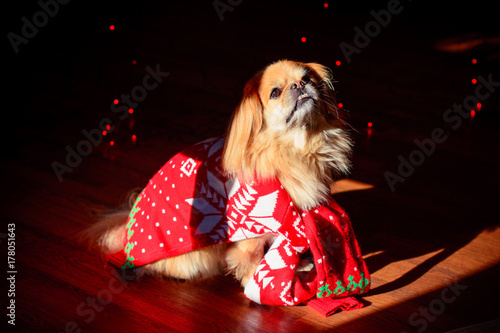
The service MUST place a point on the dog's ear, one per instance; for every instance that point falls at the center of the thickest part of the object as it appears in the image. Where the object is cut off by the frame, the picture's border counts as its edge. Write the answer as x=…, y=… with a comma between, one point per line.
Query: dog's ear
x=246, y=121
x=324, y=73
x=325, y=80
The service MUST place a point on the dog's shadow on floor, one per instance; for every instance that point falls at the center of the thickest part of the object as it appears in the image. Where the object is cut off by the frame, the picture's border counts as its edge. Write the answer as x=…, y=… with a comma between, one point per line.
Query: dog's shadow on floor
x=392, y=227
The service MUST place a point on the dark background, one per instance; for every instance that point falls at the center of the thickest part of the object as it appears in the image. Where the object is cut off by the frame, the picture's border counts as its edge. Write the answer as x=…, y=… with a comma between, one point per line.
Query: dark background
x=65, y=77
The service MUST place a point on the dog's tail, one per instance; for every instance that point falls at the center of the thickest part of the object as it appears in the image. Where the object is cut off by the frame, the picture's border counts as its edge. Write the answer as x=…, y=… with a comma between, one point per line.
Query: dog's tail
x=109, y=231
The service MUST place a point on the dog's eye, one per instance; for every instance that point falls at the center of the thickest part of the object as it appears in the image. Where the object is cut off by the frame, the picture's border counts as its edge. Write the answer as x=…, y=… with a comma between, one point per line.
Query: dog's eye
x=307, y=79
x=276, y=93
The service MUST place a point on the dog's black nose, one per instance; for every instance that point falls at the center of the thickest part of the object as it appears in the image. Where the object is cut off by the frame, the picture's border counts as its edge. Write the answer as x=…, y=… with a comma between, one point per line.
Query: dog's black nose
x=298, y=84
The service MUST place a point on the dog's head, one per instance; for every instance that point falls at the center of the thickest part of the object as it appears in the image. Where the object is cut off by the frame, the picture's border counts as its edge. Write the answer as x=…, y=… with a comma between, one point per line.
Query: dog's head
x=294, y=95
x=288, y=101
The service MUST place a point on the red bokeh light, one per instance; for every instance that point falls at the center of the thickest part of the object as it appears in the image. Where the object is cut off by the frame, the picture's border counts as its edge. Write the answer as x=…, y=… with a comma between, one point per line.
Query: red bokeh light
x=340, y=105
x=303, y=39
x=370, y=124
x=325, y=5
x=111, y=27
x=116, y=101
x=111, y=143
x=474, y=61
x=474, y=81
x=479, y=106
x=337, y=62
x=130, y=111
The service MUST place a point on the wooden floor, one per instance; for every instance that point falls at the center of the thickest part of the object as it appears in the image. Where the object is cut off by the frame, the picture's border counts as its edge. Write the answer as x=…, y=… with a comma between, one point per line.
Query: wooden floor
x=432, y=243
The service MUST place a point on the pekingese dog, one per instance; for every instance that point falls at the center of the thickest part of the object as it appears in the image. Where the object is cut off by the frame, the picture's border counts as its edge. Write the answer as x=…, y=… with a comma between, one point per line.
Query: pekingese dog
x=286, y=127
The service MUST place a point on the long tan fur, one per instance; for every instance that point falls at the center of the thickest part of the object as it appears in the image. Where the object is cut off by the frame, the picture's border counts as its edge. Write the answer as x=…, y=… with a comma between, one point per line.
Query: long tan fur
x=305, y=157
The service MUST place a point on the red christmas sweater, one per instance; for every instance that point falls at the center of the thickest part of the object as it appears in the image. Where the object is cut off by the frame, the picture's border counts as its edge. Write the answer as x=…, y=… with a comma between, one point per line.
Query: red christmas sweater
x=189, y=204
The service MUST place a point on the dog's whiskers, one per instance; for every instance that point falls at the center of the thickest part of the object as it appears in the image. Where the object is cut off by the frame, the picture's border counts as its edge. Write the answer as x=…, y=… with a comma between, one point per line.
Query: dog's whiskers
x=328, y=102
